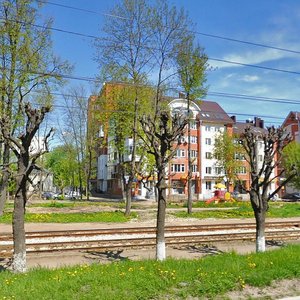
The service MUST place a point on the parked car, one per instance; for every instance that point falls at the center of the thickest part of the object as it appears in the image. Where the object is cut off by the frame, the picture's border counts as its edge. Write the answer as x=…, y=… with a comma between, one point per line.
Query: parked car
x=73, y=195
x=291, y=197
x=47, y=195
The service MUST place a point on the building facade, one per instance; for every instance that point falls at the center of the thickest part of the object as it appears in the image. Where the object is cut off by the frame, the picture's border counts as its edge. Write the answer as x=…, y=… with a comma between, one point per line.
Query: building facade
x=207, y=121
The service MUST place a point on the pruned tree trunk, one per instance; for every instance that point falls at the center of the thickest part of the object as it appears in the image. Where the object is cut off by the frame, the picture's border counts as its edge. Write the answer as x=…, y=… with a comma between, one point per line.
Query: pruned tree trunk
x=260, y=217
x=19, y=255
x=160, y=221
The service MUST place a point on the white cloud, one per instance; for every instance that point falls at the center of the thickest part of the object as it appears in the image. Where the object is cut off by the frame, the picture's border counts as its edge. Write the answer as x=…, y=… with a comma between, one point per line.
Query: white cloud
x=250, y=78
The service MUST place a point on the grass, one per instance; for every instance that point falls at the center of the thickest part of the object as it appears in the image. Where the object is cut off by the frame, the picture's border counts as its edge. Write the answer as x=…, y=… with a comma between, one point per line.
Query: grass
x=116, y=216
x=242, y=210
x=171, y=279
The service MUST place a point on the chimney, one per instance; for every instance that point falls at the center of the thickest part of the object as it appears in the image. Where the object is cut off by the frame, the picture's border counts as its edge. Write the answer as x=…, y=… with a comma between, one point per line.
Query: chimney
x=233, y=118
x=256, y=121
x=261, y=124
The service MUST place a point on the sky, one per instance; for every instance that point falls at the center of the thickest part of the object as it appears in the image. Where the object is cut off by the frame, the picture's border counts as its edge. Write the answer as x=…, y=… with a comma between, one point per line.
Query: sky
x=253, y=49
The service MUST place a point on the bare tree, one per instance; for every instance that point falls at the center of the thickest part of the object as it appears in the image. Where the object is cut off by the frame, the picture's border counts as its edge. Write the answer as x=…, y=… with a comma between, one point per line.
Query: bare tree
x=160, y=140
x=75, y=132
x=26, y=163
x=274, y=141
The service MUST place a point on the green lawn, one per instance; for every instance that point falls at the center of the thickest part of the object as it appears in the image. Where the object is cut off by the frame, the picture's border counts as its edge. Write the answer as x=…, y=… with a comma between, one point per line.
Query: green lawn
x=116, y=216
x=171, y=279
x=242, y=210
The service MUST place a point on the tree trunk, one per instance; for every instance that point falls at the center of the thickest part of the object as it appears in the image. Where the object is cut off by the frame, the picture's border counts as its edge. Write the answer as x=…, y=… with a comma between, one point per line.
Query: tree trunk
x=160, y=222
x=19, y=256
x=5, y=178
x=260, y=218
x=128, y=197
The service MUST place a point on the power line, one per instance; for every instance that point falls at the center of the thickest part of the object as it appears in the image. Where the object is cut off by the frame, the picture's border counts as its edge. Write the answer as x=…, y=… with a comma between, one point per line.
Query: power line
x=254, y=66
x=81, y=9
x=196, y=32
x=98, y=38
x=254, y=98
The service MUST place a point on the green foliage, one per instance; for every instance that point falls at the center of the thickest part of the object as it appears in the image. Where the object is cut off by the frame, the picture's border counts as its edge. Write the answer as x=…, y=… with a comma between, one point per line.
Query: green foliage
x=242, y=210
x=291, y=161
x=208, y=277
x=62, y=162
x=113, y=217
x=192, y=66
x=225, y=150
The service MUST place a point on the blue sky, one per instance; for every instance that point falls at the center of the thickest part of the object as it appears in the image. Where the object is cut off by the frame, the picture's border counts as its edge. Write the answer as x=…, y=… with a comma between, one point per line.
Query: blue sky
x=274, y=23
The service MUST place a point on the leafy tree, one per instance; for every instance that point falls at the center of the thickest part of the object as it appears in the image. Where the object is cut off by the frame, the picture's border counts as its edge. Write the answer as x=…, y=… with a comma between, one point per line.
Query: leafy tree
x=62, y=162
x=27, y=65
x=141, y=48
x=170, y=28
x=124, y=55
x=225, y=150
x=274, y=141
x=192, y=66
x=291, y=160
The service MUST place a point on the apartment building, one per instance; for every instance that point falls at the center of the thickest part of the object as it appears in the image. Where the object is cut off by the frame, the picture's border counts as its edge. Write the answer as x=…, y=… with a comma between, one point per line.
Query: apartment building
x=208, y=120
x=291, y=124
x=257, y=127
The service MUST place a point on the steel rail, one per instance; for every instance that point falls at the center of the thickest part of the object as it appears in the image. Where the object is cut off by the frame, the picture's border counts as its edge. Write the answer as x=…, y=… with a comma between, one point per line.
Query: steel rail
x=49, y=241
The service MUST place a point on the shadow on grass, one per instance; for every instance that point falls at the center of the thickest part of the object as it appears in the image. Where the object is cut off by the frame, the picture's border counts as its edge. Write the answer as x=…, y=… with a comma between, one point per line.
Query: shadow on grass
x=107, y=255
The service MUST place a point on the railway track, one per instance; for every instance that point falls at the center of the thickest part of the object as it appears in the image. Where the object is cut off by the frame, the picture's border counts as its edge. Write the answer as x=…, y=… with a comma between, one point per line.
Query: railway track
x=140, y=237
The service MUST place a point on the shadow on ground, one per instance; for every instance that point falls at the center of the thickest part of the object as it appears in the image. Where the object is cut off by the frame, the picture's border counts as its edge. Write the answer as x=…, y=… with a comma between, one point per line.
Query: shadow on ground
x=106, y=255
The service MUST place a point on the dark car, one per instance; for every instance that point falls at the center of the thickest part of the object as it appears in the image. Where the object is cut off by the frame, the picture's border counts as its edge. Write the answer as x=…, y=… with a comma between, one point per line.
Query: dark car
x=291, y=197
x=47, y=195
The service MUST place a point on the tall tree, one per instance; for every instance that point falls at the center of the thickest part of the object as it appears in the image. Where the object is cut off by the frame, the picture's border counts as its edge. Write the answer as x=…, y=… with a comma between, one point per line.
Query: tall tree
x=26, y=163
x=192, y=67
x=226, y=151
x=27, y=65
x=75, y=132
x=124, y=54
x=170, y=28
x=274, y=141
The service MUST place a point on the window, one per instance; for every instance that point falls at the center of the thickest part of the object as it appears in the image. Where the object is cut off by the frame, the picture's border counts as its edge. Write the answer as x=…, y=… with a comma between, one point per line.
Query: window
x=178, y=168
x=260, y=158
x=207, y=128
x=194, y=168
x=241, y=170
x=208, y=170
x=239, y=156
x=208, y=185
x=193, y=125
x=194, y=153
x=207, y=141
x=194, y=139
x=180, y=153
x=218, y=170
x=208, y=155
